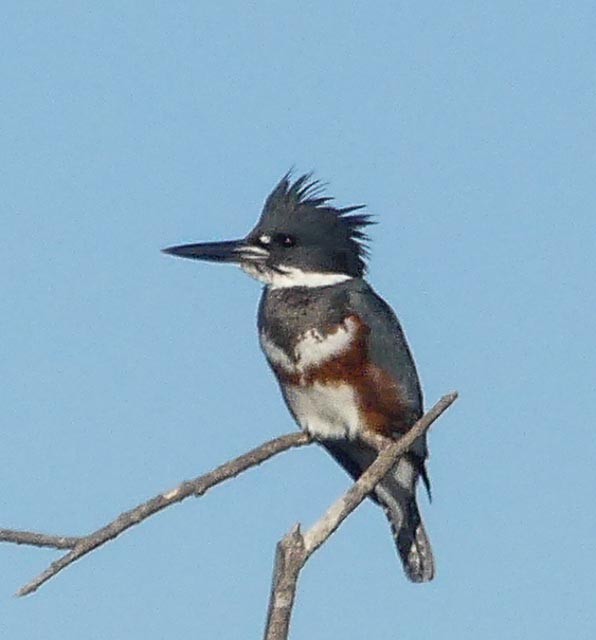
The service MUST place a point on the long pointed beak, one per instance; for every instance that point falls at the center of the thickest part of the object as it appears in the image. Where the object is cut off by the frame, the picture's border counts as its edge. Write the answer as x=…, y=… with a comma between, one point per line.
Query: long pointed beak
x=235, y=251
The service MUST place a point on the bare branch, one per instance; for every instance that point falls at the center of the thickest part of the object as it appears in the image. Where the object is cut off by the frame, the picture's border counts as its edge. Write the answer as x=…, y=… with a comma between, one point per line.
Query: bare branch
x=290, y=556
x=293, y=551
x=38, y=539
x=295, y=548
x=83, y=545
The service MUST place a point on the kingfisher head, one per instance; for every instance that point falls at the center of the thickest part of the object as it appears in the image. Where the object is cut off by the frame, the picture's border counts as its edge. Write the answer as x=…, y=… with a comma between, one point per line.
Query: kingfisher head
x=299, y=240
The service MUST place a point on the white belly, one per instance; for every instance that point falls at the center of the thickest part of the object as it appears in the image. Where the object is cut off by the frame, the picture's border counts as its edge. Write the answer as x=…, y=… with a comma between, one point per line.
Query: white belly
x=325, y=411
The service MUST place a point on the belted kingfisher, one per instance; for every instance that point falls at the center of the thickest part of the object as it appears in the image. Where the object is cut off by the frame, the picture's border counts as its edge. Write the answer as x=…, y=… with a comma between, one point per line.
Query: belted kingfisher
x=337, y=349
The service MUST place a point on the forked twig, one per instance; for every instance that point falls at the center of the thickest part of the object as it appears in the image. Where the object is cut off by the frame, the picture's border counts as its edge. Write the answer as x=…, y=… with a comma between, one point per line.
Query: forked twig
x=294, y=550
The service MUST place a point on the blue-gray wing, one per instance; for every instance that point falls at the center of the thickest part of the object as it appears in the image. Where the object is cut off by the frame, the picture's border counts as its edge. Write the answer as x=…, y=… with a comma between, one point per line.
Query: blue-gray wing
x=388, y=351
x=387, y=345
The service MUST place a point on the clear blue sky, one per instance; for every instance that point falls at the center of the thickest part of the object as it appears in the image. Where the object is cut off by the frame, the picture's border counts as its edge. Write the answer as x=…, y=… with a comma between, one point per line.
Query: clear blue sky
x=469, y=129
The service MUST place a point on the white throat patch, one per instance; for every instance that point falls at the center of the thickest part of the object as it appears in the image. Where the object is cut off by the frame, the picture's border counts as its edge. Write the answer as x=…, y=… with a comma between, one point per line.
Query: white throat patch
x=292, y=276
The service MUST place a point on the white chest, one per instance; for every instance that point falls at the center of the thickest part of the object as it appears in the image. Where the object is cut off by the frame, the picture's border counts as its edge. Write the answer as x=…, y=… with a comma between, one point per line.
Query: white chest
x=325, y=410
x=312, y=349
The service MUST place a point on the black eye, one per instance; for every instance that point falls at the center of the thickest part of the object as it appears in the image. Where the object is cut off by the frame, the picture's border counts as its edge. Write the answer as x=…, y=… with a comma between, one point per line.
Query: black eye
x=285, y=240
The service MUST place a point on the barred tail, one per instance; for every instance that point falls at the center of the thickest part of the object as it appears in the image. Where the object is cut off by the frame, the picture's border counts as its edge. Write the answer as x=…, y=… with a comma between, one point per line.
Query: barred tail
x=396, y=494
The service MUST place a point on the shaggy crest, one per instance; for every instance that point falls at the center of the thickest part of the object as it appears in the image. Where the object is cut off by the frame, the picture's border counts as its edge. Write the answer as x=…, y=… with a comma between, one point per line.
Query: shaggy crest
x=304, y=197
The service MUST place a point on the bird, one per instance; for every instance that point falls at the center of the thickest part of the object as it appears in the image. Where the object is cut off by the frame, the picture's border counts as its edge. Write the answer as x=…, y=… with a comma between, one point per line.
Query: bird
x=337, y=349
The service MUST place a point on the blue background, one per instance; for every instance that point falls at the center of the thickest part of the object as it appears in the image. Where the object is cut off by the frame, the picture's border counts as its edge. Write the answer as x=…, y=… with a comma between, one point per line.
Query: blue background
x=469, y=128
